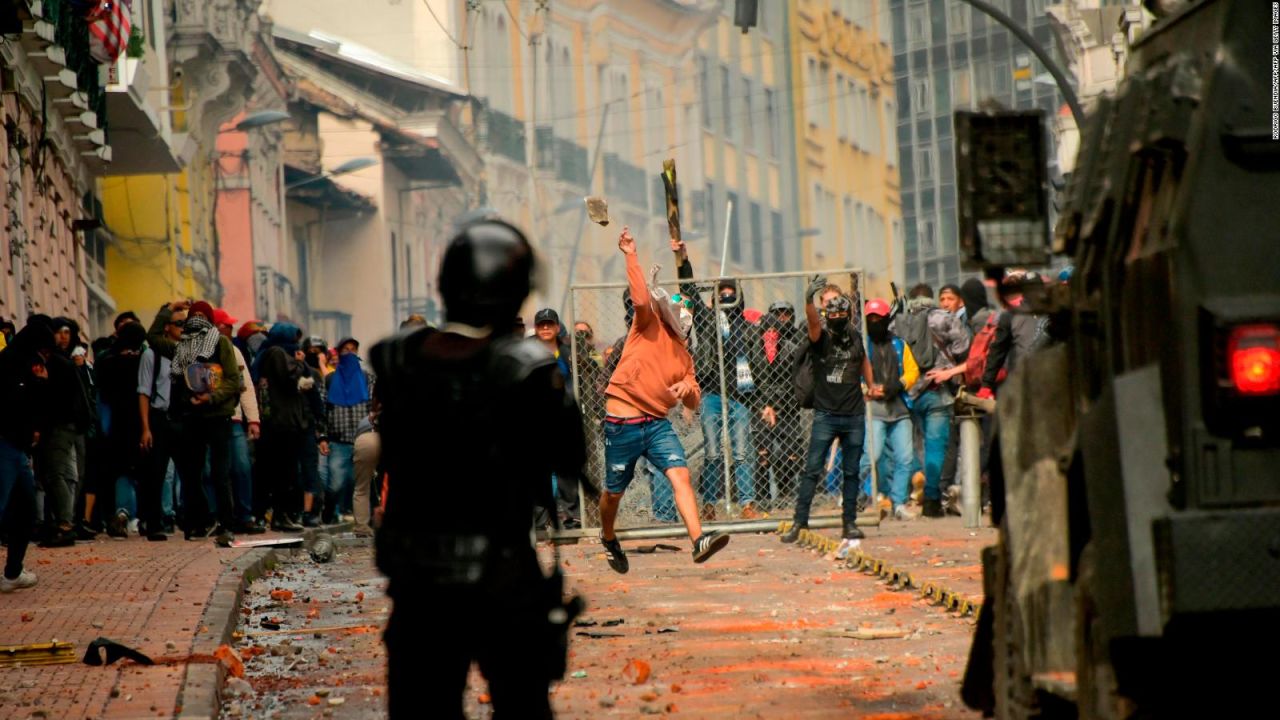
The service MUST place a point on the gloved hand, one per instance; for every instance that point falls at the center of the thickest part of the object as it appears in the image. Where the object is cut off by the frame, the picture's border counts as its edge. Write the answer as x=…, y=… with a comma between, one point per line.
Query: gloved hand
x=986, y=394
x=816, y=284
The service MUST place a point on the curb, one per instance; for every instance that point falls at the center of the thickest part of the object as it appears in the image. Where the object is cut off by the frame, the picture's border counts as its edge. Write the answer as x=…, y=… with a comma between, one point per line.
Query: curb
x=940, y=595
x=200, y=695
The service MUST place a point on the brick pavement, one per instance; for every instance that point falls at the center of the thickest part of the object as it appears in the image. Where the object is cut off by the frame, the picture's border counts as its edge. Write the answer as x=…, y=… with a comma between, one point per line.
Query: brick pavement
x=141, y=594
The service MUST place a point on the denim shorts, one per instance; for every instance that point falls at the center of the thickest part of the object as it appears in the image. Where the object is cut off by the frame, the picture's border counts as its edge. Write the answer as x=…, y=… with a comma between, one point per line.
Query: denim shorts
x=624, y=445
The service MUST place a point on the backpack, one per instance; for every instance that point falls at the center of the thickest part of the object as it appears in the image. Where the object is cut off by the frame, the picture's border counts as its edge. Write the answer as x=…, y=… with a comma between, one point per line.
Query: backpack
x=978, y=349
x=913, y=328
x=802, y=373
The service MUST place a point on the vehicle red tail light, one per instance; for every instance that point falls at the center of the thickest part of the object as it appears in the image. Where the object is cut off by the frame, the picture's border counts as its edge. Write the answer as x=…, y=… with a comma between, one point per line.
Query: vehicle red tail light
x=1253, y=356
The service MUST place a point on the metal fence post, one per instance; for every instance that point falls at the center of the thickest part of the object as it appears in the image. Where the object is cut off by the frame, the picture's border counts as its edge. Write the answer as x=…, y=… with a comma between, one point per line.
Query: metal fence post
x=971, y=469
x=726, y=450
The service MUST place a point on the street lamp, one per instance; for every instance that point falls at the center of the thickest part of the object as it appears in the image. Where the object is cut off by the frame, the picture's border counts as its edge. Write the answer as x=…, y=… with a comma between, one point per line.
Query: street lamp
x=261, y=119
x=350, y=166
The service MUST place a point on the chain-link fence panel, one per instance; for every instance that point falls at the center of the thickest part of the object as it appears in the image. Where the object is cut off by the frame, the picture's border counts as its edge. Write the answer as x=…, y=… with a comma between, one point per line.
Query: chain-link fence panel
x=747, y=442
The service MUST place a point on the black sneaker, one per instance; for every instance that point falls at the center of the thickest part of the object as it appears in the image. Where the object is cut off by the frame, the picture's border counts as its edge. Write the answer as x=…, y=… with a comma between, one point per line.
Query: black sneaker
x=707, y=545
x=84, y=532
x=249, y=528
x=287, y=525
x=931, y=508
x=617, y=558
x=793, y=534
x=119, y=525
x=310, y=521
x=852, y=532
x=223, y=537
x=157, y=536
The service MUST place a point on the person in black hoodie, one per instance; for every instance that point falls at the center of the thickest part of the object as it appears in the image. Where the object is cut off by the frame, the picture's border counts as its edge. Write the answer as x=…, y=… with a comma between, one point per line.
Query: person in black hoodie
x=283, y=380
x=744, y=360
x=118, y=386
x=24, y=387
x=779, y=441
x=61, y=453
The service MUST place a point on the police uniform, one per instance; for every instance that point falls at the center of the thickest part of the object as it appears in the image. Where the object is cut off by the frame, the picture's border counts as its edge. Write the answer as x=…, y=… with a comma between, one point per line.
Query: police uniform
x=473, y=426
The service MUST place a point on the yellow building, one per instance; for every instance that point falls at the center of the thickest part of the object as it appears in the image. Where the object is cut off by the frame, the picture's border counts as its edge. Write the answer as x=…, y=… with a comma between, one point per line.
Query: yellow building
x=845, y=114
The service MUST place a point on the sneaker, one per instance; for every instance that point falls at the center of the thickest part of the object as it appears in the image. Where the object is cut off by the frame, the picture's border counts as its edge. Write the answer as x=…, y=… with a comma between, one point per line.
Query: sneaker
x=25, y=579
x=287, y=525
x=617, y=558
x=902, y=513
x=84, y=532
x=751, y=512
x=249, y=528
x=793, y=533
x=310, y=520
x=223, y=537
x=709, y=544
x=157, y=536
x=931, y=508
x=60, y=539
x=846, y=546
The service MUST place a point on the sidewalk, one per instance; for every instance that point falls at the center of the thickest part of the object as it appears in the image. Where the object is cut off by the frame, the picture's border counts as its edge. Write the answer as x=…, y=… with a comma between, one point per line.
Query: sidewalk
x=162, y=599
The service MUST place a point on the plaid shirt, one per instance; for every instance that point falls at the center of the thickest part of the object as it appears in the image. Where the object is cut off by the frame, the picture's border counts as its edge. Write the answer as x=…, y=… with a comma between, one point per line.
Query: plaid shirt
x=344, y=422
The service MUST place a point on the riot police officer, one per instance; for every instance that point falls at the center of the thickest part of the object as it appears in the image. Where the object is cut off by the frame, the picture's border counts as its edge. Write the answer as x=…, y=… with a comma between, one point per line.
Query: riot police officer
x=474, y=423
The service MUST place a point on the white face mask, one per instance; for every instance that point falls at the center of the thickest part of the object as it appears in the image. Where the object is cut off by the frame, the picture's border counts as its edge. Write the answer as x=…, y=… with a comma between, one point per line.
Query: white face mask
x=674, y=314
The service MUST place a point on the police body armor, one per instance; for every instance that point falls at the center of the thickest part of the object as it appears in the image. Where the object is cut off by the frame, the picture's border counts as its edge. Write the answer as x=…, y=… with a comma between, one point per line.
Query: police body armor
x=472, y=430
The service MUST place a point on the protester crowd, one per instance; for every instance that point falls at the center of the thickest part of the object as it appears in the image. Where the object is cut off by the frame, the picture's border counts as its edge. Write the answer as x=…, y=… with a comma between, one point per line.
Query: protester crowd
x=193, y=422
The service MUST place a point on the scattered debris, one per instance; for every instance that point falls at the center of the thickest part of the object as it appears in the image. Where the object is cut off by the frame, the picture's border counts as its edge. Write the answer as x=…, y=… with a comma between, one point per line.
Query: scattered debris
x=637, y=671
x=282, y=595
x=612, y=623
x=659, y=547
x=598, y=635
x=231, y=659
x=579, y=674
x=114, y=652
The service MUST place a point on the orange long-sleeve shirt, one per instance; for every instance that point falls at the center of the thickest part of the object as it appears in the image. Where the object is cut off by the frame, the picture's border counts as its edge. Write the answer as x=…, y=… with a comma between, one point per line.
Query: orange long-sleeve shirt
x=653, y=359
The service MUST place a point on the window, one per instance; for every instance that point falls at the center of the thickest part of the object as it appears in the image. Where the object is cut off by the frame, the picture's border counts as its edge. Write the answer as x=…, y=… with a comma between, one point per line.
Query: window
x=885, y=16
x=779, y=243
x=924, y=162
x=562, y=93
x=961, y=92
x=874, y=126
x=771, y=124
x=757, y=238
x=812, y=109
x=725, y=109
x=654, y=125
x=982, y=85
x=1000, y=78
x=891, y=137
x=735, y=236
x=941, y=90
x=823, y=93
x=842, y=110
x=848, y=231
x=748, y=117
x=704, y=89
x=929, y=237
x=958, y=18
x=920, y=96
x=918, y=26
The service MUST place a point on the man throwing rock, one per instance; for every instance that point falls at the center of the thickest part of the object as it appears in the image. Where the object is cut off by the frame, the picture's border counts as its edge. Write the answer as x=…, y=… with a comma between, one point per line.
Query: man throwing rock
x=654, y=373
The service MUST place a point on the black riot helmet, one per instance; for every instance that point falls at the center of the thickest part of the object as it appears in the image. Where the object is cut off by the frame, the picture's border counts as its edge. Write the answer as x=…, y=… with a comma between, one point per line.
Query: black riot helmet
x=486, y=274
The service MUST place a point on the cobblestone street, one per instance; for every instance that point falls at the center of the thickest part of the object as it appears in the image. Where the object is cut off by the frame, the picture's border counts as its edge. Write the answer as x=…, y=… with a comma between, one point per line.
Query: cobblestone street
x=765, y=630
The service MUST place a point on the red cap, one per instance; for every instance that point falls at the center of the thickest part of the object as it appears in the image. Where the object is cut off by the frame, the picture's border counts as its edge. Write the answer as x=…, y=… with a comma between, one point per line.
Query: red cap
x=876, y=306
x=248, y=328
x=202, y=308
x=222, y=317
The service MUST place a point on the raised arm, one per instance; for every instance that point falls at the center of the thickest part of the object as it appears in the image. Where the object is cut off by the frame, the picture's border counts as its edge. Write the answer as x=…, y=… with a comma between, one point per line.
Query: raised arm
x=816, y=284
x=635, y=280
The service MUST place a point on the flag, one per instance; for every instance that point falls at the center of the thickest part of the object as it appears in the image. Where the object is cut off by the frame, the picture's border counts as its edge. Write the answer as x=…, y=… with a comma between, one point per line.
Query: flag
x=109, y=32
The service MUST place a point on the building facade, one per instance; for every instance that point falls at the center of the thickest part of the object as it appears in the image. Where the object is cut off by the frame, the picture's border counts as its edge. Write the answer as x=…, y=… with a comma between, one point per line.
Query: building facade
x=53, y=146
x=947, y=57
x=845, y=114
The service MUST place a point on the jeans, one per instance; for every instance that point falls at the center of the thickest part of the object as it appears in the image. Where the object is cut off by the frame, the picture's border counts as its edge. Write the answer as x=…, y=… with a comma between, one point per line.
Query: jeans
x=711, y=486
x=313, y=473
x=341, y=475
x=624, y=445
x=241, y=472
x=17, y=504
x=932, y=413
x=827, y=427
x=894, y=437
x=127, y=495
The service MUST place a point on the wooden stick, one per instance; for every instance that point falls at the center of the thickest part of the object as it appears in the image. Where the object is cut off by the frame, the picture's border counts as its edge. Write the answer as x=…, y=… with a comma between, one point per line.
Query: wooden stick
x=673, y=200
x=303, y=631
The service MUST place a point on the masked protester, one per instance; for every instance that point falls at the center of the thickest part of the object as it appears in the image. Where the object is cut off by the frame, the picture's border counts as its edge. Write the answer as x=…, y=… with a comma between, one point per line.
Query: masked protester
x=23, y=384
x=839, y=366
x=654, y=374
x=477, y=570
x=739, y=354
x=205, y=383
x=894, y=371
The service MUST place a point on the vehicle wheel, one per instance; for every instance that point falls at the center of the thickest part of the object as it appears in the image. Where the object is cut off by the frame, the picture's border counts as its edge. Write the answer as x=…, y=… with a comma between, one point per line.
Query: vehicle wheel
x=1015, y=697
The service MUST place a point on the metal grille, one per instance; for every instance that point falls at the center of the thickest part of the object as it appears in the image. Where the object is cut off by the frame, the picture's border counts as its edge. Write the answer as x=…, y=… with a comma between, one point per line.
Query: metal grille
x=745, y=462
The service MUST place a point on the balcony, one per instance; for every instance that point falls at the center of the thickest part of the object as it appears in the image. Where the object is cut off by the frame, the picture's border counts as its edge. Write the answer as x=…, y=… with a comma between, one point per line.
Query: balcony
x=504, y=135
x=56, y=40
x=625, y=181
x=141, y=132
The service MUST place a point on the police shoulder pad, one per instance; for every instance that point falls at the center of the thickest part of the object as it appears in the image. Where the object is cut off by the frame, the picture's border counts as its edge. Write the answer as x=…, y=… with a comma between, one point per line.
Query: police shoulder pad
x=516, y=359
